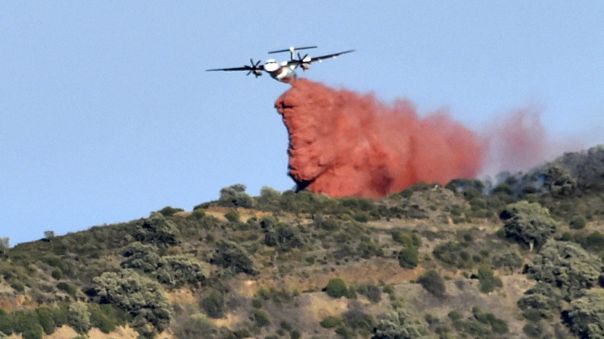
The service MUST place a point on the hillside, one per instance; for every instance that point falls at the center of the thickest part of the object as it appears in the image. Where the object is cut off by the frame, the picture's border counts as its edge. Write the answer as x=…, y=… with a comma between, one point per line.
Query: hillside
x=519, y=258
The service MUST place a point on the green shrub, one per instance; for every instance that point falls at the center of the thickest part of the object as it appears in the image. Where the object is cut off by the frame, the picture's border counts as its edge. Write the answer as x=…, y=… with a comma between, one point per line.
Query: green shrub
x=403, y=238
x=46, y=319
x=67, y=288
x=235, y=196
x=169, y=211
x=141, y=256
x=585, y=318
x=432, y=282
x=56, y=274
x=233, y=216
x=260, y=318
x=105, y=317
x=594, y=242
x=138, y=296
x=229, y=255
x=566, y=266
x=488, y=281
x=528, y=223
x=194, y=327
x=577, y=222
x=331, y=322
x=213, y=304
x=507, y=260
x=455, y=254
x=400, y=324
x=156, y=230
x=26, y=323
x=533, y=329
x=372, y=292
x=6, y=323
x=497, y=325
x=180, y=270
x=358, y=320
x=336, y=288
x=79, y=317
x=539, y=301
x=408, y=257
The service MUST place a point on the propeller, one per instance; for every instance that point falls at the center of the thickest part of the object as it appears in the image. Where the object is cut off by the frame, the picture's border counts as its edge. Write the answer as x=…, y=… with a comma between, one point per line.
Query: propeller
x=303, y=61
x=255, y=68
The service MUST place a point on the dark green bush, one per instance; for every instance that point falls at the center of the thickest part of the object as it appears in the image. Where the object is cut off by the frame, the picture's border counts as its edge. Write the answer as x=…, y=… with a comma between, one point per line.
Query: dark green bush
x=26, y=323
x=400, y=324
x=585, y=318
x=169, y=211
x=46, y=319
x=67, y=288
x=567, y=266
x=156, y=230
x=577, y=222
x=233, y=216
x=260, y=318
x=358, y=320
x=194, y=327
x=528, y=223
x=488, y=281
x=213, y=304
x=336, y=288
x=6, y=323
x=540, y=301
x=141, y=256
x=79, y=317
x=331, y=322
x=408, y=257
x=180, y=270
x=106, y=317
x=235, y=196
x=372, y=292
x=533, y=329
x=455, y=254
x=229, y=255
x=432, y=282
x=138, y=296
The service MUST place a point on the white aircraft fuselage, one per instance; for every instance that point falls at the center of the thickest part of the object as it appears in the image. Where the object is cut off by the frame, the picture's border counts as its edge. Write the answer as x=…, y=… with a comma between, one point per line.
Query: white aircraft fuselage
x=280, y=71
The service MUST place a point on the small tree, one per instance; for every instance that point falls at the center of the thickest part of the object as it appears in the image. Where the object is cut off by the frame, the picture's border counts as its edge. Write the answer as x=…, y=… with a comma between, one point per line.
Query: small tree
x=138, y=296
x=586, y=315
x=157, y=230
x=79, y=317
x=235, y=196
x=528, y=223
x=49, y=235
x=567, y=266
x=232, y=256
x=213, y=304
x=4, y=244
x=336, y=288
x=488, y=280
x=408, y=257
x=400, y=324
x=179, y=270
x=539, y=301
x=432, y=282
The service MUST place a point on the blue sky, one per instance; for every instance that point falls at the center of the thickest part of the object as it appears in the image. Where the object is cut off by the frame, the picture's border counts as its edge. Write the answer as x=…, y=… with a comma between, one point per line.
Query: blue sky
x=106, y=112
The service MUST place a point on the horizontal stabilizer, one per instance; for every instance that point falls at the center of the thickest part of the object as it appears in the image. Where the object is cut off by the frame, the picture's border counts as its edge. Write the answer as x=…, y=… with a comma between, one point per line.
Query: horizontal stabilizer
x=292, y=49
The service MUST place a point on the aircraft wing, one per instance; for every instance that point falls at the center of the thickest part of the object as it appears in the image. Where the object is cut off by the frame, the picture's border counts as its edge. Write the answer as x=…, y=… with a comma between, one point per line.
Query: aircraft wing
x=243, y=68
x=329, y=56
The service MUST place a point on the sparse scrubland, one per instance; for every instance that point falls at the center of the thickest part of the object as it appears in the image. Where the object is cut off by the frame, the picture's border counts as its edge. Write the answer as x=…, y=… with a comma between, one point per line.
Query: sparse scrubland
x=518, y=257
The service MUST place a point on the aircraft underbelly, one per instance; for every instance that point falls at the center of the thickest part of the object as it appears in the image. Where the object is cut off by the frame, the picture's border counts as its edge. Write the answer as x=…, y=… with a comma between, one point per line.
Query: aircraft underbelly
x=283, y=74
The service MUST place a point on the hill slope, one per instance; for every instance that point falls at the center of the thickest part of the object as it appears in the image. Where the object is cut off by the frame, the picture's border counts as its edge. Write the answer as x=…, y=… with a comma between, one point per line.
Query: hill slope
x=522, y=258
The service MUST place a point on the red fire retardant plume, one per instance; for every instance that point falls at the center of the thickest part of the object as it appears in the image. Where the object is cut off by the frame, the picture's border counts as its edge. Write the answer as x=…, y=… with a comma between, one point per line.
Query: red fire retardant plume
x=345, y=144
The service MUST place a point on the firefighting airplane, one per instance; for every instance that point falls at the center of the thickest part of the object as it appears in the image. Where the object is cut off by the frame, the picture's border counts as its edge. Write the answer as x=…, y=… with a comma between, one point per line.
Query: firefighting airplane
x=282, y=71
